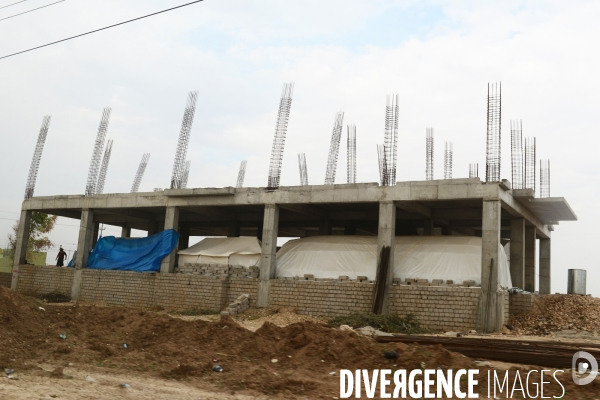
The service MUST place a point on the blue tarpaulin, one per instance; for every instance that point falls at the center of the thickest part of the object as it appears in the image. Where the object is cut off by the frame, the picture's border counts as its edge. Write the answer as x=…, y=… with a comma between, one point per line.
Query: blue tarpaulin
x=133, y=254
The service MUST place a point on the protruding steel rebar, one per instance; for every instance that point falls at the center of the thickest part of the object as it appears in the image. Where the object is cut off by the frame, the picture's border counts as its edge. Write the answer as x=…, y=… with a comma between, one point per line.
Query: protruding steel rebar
x=285, y=104
x=429, y=154
x=92, y=180
x=494, y=131
x=241, y=175
x=474, y=170
x=381, y=161
x=351, y=154
x=302, y=169
x=104, y=167
x=448, y=152
x=544, y=178
x=334, y=148
x=186, y=174
x=530, y=163
x=140, y=173
x=516, y=154
x=390, y=144
x=184, y=139
x=37, y=156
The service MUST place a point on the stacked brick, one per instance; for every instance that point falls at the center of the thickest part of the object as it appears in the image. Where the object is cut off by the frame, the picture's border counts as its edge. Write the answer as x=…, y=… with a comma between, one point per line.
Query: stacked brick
x=35, y=280
x=236, y=271
x=443, y=308
x=5, y=279
x=322, y=298
x=240, y=304
x=434, y=282
x=521, y=303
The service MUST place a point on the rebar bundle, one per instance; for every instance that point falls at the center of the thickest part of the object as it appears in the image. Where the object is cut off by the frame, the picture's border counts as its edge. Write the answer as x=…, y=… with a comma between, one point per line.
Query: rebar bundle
x=37, y=156
x=494, y=130
x=381, y=161
x=184, y=140
x=241, y=175
x=544, y=178
x=104, y=167
x=140, y=173
x=334, y=148
x=448, y=160
x=429, y=154
x=302, y=169
x=516, y=154
x=285, y=103
x=474, y=170
x=351, y=154
x=92, y=180
x=530, y=163
x=390, y=143
x=186, y=174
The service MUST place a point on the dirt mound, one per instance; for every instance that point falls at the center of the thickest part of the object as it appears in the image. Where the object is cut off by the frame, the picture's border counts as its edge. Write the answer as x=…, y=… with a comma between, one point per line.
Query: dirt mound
x=560, y=312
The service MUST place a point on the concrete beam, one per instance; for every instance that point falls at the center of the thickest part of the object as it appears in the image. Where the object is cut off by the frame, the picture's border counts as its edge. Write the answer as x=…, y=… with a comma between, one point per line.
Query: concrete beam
x=490, y=315
x=307, y=210
x=268, y=260
x=545, y=270
x=517, y=210
x=456, y=213
x=386, y=238
x=21, y=246
x=517, y=252
x=171, y=222
x=414, y=207
x=530, y=243
x=131, y=213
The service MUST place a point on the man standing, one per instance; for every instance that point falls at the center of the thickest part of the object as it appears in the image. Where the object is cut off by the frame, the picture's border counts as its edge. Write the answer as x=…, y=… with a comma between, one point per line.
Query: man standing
x=60, y=258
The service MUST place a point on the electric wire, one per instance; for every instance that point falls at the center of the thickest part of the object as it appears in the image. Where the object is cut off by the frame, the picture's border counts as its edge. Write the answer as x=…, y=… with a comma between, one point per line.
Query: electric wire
x=25, y=12
x=6, y=6
x=100, y=29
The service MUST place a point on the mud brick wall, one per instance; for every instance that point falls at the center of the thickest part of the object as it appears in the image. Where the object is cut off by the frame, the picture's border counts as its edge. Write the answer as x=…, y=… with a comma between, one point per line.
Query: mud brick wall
x=239, y=286
x=34, y=280
x=171, y=291
x=322, y=298
x=435, y=307
x=5, y=279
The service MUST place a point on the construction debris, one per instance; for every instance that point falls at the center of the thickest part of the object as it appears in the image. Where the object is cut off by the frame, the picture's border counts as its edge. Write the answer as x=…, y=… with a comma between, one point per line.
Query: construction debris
x=239, y=305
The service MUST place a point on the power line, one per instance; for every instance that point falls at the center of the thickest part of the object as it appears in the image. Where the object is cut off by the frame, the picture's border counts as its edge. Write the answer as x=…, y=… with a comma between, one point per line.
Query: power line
x=101, y=29
x=25, y=12
x=22, y=1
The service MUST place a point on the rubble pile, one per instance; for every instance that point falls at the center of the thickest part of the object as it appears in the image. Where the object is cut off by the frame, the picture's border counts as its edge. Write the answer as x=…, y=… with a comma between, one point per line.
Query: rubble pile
x=560, y=312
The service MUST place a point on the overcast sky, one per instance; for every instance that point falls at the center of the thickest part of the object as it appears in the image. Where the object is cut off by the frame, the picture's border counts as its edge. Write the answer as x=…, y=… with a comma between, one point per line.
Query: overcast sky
x=342, y=55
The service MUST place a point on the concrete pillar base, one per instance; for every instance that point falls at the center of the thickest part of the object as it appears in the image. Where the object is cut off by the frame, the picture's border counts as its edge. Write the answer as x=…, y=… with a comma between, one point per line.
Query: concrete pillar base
x=530, y=258
x=264, y=289
x=21, y=247
x=76, y=286
x=171, y=222
x=386, y=238
x=544, y=265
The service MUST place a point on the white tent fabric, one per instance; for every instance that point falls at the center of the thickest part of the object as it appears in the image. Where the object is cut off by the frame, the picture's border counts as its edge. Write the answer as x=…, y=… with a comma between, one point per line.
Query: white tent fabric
x=226, y=251
x=424, y=257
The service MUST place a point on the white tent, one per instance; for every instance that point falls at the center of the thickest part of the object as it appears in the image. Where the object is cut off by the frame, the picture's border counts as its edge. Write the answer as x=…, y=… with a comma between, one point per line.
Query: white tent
x=226, y=251
x=425, y=257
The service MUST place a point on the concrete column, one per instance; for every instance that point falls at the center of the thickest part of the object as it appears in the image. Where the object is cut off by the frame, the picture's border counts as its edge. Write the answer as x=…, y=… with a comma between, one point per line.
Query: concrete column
x=490, y=315
x=324, y=228
x=544, y=265
x=126, y=232
x=84, y=246
x=428, y=227
x=171, y=222
x=530, y=259
x=234, y=229
x=153, y=228
x=386, y=236
x=184, y=238
x=517, y=252
x=21, y=248
x=95, y=234
x=269, y=251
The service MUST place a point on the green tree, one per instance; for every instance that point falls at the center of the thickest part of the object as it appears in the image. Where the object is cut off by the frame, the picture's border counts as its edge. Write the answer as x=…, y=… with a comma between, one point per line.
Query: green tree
x=41, y=225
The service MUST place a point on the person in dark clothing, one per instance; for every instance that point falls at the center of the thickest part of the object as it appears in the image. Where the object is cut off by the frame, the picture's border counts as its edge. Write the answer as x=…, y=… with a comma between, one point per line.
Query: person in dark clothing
x=60, y=258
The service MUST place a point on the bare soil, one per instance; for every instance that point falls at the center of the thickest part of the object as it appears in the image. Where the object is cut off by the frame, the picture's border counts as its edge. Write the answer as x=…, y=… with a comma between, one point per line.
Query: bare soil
x=173, y=358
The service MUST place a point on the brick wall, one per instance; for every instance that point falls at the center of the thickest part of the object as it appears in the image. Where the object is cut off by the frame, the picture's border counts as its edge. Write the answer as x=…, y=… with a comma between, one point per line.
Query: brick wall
x=325, y=298
x=239, y=286
x=171, y=291
x=5, y=279
x=443, y=308
x=522, y=303
x=34, y=280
